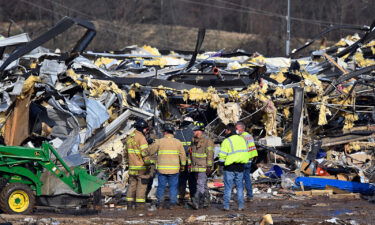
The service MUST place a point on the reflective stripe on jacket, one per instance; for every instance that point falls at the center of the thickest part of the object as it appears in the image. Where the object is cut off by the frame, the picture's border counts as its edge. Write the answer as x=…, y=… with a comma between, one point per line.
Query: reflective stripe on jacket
x=234, y=150
x=250, y=144
x=170, y=154
x=202, y=154
x=136, y=151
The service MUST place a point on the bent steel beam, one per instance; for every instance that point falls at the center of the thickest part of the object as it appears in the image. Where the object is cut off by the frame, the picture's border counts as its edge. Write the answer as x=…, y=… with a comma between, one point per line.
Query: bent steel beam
x=59, y=28
x=326, y=31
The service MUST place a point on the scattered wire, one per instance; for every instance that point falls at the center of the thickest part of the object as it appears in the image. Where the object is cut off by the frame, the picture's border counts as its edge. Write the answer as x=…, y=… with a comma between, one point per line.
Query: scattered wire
x=62, y=15
x=245, y=9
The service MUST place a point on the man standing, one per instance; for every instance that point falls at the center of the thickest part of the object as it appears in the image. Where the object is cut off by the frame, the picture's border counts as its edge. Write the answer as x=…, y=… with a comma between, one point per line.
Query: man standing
x=185, y=135
x=200, y=162
x=136, y=153
x=234, y=155
x=171, y=158
x=240, y=129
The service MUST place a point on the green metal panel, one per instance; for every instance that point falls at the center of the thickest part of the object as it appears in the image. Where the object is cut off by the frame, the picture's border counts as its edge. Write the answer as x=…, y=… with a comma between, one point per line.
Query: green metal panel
x=24, y=174
x=16, y=153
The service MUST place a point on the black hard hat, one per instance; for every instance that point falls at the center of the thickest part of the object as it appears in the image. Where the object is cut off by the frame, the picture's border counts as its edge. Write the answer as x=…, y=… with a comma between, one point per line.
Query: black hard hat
x=198, y=126
x=140, y=124
x=168, y=127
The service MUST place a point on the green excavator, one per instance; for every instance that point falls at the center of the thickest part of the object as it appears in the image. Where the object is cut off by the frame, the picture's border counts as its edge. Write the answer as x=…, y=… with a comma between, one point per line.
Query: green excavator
x=21, y=169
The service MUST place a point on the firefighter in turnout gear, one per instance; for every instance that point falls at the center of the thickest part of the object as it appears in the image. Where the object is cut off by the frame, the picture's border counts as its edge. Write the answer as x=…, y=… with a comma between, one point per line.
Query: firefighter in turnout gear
x=171, y=158
x=137, y=154
x=200, y=164
x=185, y=135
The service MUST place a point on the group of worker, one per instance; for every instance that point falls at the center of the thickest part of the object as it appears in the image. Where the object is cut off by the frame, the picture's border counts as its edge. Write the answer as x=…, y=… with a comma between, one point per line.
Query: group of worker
x=186, y=156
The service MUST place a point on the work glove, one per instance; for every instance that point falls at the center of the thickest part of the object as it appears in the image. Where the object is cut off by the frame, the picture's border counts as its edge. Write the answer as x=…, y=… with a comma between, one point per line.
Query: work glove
x=152, y=170
x=150, y=141
x=182, y=169
x=221, y=168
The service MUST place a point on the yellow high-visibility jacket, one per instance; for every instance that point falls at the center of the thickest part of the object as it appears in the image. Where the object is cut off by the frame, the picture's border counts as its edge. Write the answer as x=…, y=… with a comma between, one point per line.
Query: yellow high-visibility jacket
x=234, y=150
x=252, y=149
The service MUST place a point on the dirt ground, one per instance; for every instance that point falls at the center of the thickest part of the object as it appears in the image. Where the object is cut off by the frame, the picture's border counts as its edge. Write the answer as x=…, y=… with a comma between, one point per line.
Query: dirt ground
x=319, y=210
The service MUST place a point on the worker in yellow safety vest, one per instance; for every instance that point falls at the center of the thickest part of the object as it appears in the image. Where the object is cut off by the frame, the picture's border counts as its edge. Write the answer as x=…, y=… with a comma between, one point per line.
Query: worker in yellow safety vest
x=234, y=155
x=240, y=129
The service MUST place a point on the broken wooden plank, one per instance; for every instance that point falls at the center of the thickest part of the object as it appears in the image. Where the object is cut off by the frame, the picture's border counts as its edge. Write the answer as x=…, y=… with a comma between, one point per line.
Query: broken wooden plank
x=343, y=177
x=344, y=139
x=302, y=193
x=346, y=196
x=321, y=192
x=325, y=177
x=307, y=167
x=361, y=128
x=329, y=58
x=17, y=125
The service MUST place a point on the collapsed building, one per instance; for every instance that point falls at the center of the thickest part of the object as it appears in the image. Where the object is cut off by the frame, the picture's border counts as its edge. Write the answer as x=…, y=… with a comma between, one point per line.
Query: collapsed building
x=312, y=114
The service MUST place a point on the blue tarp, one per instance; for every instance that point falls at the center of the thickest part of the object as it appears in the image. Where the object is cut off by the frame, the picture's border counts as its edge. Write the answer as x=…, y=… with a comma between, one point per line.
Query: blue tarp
x=274, y=172
x=320, y=183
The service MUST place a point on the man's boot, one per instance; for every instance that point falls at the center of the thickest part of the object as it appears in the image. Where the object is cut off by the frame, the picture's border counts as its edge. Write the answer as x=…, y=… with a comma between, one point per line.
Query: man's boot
x=172, y=206
x=159, y=205
x=195, y=201
x=181, y=201
x=129, y=206
x=140, y=206
x=206, y=200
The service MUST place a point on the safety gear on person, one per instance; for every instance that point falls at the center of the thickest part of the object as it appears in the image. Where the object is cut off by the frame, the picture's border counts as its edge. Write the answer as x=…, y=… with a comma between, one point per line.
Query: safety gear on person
x=208, y=171
x=188, y=119
x=186, y=122
x=168, y=128
x=250, y=144
x=136, y=150
x=170, y=155
x=136, y=153
x=140, y=124
x=234, y=150
x=202, y=154
x=198, y=126
x=185, y=135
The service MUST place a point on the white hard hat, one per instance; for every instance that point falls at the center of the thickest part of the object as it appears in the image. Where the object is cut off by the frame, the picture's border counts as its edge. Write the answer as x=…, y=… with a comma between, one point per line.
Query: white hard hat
x=189, y=119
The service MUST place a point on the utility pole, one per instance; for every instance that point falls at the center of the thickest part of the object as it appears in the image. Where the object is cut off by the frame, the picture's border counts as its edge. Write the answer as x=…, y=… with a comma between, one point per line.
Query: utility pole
x=288, y=30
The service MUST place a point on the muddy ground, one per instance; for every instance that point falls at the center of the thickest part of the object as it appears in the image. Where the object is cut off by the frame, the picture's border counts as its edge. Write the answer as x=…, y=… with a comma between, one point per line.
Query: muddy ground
x=319, y=210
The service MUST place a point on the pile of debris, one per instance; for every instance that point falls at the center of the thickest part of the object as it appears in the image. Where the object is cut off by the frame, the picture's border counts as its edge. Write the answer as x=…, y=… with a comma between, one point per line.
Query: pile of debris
x=313, y=114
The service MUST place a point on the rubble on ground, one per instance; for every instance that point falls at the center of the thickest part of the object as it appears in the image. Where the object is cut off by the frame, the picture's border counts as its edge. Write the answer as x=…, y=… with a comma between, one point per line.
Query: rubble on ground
x=312, y=116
